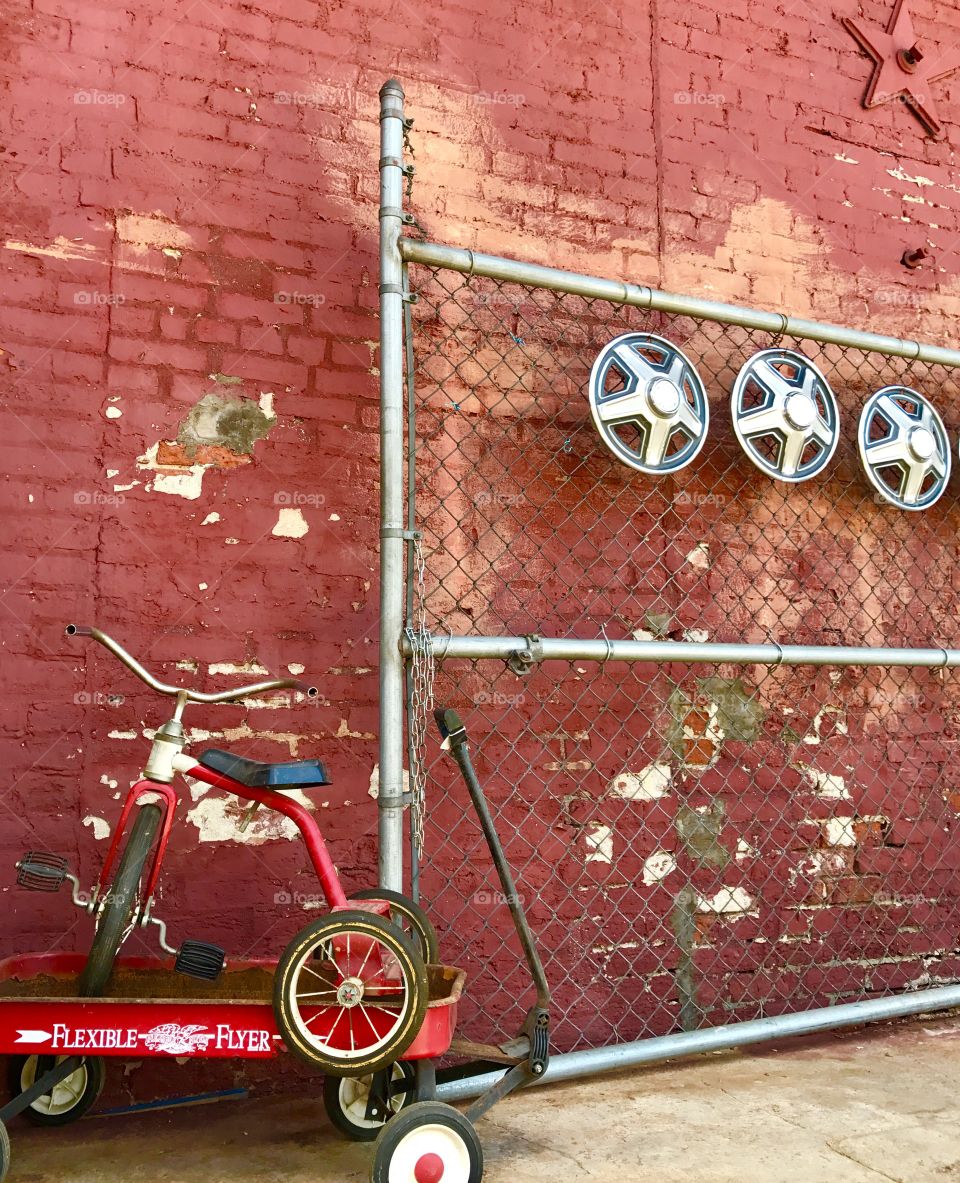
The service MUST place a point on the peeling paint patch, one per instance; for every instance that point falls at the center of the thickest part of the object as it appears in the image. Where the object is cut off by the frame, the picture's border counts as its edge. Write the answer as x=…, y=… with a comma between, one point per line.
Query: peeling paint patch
x=699, y=556
x=599, y=844
x=121, y=735
x=290, y=524
x=728, y=901
x=233, y=667
x=210, y=519
x=374, y=787
x=658, y=866
x=101, y=827
x=828, y=785
x=176, y=481
x=839, y=721
x=652, y=782
x=839, y=831
x=217, y=819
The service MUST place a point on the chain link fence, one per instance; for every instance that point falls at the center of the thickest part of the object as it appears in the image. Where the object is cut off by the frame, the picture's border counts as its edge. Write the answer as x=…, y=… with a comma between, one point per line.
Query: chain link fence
x=694, y=844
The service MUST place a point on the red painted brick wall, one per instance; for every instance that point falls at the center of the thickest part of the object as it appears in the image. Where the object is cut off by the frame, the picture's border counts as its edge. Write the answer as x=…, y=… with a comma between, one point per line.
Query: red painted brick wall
x=190, y=207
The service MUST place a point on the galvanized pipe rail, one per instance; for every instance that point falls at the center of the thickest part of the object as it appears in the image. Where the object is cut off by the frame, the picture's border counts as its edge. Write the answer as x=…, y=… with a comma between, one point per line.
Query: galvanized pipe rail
x=466, y=262
x=539, y=649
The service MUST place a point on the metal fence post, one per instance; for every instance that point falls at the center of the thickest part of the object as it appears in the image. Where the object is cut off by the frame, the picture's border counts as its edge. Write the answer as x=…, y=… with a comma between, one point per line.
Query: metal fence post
x=391, y=488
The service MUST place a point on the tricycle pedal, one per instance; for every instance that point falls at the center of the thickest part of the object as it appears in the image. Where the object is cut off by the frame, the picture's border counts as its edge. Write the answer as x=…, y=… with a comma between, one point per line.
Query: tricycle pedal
x=197, y=959
x=40, y=871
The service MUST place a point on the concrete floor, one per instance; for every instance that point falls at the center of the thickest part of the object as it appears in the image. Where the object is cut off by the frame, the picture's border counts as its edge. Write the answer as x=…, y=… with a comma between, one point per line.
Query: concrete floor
x=879, y=1104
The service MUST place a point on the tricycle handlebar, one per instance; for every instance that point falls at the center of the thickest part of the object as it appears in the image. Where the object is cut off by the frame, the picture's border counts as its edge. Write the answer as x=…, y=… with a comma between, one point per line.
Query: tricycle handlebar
x=83, y=630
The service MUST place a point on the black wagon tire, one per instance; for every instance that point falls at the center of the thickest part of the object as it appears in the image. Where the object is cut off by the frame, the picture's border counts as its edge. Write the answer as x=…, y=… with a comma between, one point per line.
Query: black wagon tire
x=423, y=1131
x=408, y=916
x=121, y=901
x=67, y=1101
x=4, y=1152
x=345, y=1099
x=309, y=972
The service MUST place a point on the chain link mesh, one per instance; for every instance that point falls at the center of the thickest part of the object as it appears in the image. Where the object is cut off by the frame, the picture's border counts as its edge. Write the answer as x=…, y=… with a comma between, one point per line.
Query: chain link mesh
x=421, y=697
x=694, y=844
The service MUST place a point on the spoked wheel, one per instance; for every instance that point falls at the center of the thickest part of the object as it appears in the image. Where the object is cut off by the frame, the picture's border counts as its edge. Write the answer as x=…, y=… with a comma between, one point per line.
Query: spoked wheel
x=122, y=901
x=347, y=1100
x=69, y=1099
x=350, y=994
x=4, y=1152
x=428, y=1142
x=410, y=917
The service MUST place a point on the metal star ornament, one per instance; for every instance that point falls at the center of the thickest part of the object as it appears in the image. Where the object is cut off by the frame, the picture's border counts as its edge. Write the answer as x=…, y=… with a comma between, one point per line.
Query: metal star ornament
x=902, y=69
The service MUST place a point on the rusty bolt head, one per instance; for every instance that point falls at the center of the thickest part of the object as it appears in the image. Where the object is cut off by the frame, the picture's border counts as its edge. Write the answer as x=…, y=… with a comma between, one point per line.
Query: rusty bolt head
x=909, y=59
x=912, y=259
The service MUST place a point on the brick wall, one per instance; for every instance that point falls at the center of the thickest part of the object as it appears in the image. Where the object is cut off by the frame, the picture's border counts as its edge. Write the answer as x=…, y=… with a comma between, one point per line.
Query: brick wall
x=189, y=315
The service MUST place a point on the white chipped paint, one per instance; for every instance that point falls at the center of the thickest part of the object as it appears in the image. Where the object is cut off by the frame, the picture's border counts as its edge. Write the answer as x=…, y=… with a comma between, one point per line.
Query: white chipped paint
x=373, y=789
x=113, y=412
x=900, y=174
x=100, y=825
x=728, y=901
x=334, y=517
x=647, y=785
x=60, y=248
x=125, y=488
x=121, y=735
x=599, y=843
x=845, y=159
x=177, y=482
x=232, y=541
x=699, y=556
x=233, y=667
x=210, y=519
x=217, y=819
x=112, y=472
x=266, y=404
x=839, y=831
x=639, y=634
x=839, y=723
x=105, y=780
x=829, y=785
x=290, y=524
x=658, y=866
x=699, y=636
x=744, y=851
x=296, y=668
x=203, y=586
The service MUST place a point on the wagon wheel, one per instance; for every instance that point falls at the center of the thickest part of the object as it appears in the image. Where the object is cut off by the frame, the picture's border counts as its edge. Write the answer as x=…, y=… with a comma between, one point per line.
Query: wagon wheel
x=428, y=1142
x=347, y=1100
x=350, y=994
x=69, y=1099
x=410, y=917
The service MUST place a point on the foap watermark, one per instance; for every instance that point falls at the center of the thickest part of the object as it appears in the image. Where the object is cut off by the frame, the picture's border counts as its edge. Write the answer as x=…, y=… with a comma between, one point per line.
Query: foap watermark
x=93, y=299
x=499, y=98
x=322, y=96
x=900, y=298
x=699, y=499
x=95, y=497
x=300, y=899
x=294, y=497
x=96, y=698
x=497, y=698
x=311, y=299
x=495, y=498
x=698, y=98
x=486, y=899
x=98, y=98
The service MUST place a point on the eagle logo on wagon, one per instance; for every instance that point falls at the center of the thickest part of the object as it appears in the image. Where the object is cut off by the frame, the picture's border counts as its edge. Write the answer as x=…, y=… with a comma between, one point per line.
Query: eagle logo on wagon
x=178, y=1040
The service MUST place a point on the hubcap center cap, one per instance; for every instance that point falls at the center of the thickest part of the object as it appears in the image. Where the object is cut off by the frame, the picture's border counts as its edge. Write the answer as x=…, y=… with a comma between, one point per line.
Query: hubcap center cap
x=349, y=992
x=922, y=443
x=800, y=411
x=664, y=398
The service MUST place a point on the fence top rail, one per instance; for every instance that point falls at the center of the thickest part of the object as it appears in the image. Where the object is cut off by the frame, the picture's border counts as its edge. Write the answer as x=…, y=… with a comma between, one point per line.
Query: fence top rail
x=537, y=649
x=469, y=262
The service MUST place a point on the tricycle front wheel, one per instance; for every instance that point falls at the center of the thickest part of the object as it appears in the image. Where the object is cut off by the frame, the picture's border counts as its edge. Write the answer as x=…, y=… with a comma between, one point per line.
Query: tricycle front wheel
x=350, y=994
x=428, y=1141
x=69, y=1099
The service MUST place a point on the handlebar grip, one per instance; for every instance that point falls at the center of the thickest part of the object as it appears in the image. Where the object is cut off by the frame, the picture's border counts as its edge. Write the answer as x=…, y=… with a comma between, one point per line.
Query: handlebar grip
x=78, y=630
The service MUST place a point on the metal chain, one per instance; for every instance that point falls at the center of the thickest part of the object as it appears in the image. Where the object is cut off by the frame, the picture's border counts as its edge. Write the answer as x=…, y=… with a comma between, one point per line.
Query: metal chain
x=423, y=669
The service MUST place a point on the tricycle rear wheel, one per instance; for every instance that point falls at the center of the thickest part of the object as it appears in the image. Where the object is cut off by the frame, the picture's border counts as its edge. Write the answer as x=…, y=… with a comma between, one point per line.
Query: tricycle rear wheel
x=68, y=1100
x=407, y=916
